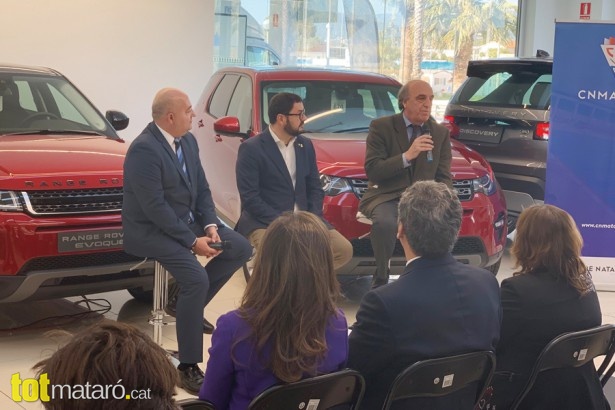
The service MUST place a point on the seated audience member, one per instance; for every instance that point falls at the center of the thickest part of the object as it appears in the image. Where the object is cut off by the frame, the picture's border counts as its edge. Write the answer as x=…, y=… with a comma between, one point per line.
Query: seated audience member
x=438, y=306
x=110, y=354
x=288, y=326
x=551, y=294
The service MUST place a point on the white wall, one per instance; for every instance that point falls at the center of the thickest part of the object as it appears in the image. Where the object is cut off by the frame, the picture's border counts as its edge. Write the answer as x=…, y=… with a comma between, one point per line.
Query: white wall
x=538, y=21
x=117, y=52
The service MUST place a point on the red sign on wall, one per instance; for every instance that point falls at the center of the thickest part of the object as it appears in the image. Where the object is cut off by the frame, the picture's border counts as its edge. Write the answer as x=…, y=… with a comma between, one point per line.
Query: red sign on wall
x=586, y=11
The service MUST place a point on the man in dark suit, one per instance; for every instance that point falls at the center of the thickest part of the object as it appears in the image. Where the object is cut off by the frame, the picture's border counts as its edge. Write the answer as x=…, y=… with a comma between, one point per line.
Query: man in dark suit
x=401, y=149
x=438, y=307
x=276, y=173
x=169, y=215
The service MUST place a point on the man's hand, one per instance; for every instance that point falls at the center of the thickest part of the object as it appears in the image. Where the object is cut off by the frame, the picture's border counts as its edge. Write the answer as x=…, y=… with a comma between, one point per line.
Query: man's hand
x=201, y=247
x=420, y=144
x=212, y=232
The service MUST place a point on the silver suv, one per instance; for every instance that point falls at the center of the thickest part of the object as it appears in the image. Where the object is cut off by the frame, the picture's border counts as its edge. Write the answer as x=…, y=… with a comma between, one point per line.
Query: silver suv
x=502, y=111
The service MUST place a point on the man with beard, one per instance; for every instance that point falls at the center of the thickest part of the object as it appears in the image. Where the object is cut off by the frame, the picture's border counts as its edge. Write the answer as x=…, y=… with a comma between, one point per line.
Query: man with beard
x=276, y=173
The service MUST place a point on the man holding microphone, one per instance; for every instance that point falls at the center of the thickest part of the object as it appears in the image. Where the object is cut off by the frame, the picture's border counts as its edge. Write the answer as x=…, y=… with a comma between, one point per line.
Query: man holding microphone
x=401, y=149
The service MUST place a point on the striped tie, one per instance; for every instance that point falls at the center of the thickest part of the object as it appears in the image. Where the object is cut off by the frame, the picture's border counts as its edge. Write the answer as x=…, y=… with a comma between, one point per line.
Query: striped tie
x=180, y=156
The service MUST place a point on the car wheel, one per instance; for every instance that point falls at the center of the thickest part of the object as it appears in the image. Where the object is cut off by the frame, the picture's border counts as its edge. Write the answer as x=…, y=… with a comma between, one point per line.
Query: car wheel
x=495, y=267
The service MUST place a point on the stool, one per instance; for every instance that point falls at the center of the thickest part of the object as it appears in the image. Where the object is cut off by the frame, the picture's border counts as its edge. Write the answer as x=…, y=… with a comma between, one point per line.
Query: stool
x=158, y=316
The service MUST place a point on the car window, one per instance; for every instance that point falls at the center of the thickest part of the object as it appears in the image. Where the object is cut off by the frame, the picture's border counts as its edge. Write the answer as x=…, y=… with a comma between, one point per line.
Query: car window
x=50, y=103
x=221, y=98
x=337, y=106
x=515, y=88
x=240, y=105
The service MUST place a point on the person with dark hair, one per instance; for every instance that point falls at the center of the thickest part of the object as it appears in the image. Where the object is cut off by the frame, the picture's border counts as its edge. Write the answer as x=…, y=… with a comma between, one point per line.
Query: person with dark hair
x=288, y=326
x=168, y=214
x=400, y=150
x=551, y=293
x=438, y=306
x=110, y=354
x=276, y=173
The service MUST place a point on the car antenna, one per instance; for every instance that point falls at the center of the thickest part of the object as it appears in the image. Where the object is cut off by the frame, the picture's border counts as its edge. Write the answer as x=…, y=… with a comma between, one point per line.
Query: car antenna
x=542, y=53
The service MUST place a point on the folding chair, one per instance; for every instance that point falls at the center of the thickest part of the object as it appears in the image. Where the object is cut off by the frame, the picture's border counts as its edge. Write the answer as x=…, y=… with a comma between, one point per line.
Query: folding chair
x=342, y=388
x=573, y=349
x=195, y=404
x=442, y=376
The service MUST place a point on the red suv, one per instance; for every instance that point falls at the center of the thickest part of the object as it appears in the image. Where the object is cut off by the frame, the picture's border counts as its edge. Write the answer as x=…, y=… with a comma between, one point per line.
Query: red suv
x=340, y=106
x=60, y=192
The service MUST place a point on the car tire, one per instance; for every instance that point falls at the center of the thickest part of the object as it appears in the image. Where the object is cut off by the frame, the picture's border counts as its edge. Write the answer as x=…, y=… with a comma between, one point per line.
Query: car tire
x=495, y=267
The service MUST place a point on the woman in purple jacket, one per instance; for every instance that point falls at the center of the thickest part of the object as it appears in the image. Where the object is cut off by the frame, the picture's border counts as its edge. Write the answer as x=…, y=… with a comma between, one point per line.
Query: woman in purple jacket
x=288, y=326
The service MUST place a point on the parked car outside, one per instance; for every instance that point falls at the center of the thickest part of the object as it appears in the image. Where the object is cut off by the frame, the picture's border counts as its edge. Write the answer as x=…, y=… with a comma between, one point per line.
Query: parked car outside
x=502, y=111
x=340, y=105
x=60, y=192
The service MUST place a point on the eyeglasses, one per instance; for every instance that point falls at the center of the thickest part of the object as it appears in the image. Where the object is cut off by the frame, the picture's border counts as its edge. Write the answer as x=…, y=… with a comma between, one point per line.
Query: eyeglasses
x=300, y=114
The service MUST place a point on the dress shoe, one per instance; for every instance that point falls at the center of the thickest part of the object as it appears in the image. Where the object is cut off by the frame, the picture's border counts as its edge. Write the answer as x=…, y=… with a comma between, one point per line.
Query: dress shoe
x=208, y=328
x=191, y=379
x=377, y=281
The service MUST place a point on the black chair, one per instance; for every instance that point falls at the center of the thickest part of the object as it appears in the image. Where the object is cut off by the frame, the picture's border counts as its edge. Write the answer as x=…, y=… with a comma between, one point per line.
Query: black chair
x=343, y=388
x=195, y=404
x=442, y=376
x=573, y=349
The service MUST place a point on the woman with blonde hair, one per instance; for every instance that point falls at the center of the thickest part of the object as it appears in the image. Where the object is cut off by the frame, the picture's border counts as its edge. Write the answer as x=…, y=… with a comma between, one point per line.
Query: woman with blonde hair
x=288, y=326
x=551, y=293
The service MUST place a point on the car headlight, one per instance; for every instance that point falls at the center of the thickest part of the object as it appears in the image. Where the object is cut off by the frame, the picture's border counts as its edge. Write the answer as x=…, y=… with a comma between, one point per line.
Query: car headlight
x=484, y=184
x=9, y=201
x=334, y=185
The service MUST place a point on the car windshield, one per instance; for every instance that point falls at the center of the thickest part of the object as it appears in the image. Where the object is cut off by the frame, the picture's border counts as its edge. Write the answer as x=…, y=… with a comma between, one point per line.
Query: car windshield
x=335, y=107
x=508, y=87
x=46, y=105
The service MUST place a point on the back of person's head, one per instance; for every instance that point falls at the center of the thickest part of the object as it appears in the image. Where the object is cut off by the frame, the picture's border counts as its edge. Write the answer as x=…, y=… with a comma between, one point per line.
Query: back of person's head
x=120, y=358
x=291, y=294
x=547, y=241
x=281, y=103
x=430, y=215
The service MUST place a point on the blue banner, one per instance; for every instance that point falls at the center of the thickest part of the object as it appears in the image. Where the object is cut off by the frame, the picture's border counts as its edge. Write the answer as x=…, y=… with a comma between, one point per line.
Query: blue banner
x=581, y=156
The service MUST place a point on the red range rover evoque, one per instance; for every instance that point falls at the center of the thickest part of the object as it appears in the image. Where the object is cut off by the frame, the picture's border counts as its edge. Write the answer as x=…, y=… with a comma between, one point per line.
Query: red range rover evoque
x=340, y=106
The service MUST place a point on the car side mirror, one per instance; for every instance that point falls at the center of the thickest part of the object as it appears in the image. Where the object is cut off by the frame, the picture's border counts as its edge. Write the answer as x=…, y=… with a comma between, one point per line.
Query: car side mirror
x=118, y=120
x=228, y=126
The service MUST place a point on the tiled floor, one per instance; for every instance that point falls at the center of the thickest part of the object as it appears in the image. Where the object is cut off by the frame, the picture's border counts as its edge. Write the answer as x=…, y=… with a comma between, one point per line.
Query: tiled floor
x=20, y=349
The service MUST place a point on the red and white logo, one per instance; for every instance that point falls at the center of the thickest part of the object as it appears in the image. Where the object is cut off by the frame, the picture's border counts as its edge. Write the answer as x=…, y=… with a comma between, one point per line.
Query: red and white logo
x=608, y=48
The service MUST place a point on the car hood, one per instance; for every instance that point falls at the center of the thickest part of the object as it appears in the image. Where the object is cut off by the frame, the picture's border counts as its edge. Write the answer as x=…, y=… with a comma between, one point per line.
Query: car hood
x=60, y=155
x=343, y=155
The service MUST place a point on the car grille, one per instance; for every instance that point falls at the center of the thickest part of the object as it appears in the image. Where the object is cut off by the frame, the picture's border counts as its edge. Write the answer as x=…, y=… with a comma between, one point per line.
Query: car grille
x=465, y=245
x=77, y=261
x=463, y=187
x=74, y=201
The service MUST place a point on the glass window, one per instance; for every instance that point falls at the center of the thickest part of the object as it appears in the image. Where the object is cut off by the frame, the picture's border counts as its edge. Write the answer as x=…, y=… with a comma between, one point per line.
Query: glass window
x=240, y=105
x=428, y=39
x=221, y=97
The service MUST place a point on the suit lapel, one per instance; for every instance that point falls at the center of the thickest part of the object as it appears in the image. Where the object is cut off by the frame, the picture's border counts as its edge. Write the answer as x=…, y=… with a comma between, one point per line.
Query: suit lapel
x=401, y=133
x=273, y=153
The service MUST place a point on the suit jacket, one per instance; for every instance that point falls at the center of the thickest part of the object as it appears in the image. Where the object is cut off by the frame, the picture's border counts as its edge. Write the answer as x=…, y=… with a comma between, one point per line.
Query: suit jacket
x=265, y=186
x=387, y=140
x=236, y=374
x=438, y=307
x=536, y=309
x=158, y=197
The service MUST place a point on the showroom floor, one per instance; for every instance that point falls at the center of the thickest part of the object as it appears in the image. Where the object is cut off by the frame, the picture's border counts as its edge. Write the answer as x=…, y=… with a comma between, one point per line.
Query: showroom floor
x=21, y=348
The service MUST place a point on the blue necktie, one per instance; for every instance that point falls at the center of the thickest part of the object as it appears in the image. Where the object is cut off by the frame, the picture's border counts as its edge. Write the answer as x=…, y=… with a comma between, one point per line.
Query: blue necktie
x=413, y=132
x=182, y=162
x=180, y=156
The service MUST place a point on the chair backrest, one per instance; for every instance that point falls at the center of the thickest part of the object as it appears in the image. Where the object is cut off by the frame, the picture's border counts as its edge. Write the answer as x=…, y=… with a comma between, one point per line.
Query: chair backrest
x=540, y=95
x=442, y=376
x=572, y=349
x=342, y=388
x=195, y=404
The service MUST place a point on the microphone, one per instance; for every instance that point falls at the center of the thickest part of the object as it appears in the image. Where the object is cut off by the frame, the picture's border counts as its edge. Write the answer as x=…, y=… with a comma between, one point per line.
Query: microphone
x=220, y=246
x=425, y=130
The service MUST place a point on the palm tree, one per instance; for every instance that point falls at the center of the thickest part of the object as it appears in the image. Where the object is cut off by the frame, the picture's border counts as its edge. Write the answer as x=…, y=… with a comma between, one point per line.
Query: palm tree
x=456, y=23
